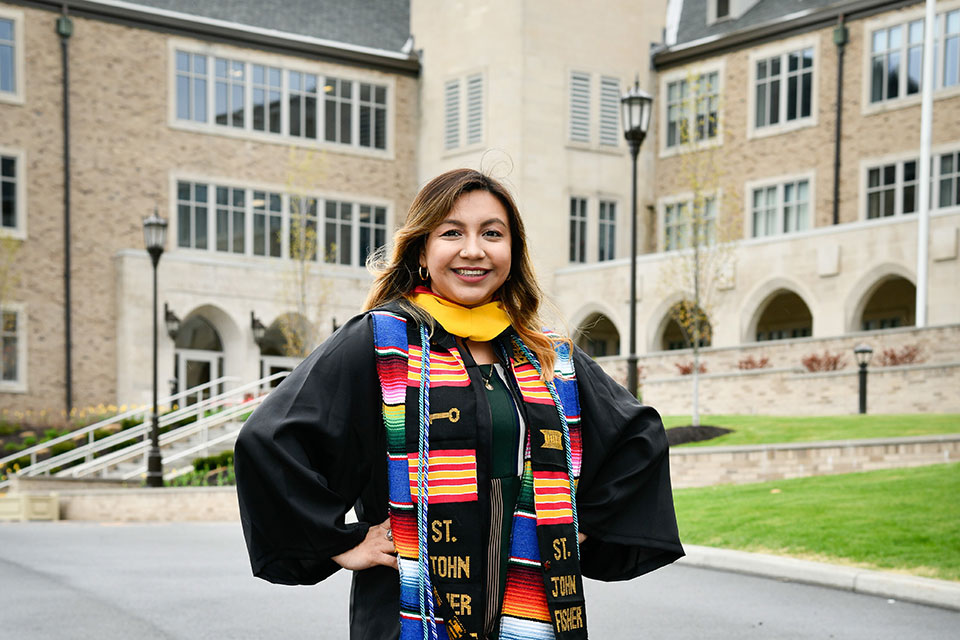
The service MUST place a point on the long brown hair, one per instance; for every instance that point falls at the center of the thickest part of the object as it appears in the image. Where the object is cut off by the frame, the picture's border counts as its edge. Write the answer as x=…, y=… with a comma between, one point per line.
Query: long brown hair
x=520, y=295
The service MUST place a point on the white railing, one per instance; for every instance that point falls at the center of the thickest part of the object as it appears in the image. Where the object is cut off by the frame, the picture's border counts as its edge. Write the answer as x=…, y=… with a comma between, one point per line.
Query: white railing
x=208, y=412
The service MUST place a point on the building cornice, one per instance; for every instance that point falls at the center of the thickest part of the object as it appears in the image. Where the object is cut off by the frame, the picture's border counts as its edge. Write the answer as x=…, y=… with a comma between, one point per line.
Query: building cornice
x=232, y=32
x=776, y=29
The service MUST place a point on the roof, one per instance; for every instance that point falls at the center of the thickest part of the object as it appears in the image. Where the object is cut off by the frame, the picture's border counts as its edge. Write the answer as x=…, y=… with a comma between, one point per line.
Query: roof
x=693, y=17
x=379, y=24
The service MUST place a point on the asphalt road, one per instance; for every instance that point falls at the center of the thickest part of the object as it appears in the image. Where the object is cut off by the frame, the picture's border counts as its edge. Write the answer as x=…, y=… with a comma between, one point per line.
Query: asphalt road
x=178, y=581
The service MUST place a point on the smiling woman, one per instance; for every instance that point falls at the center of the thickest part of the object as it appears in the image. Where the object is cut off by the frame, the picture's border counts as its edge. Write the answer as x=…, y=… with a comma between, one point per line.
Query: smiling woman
x=515, y=466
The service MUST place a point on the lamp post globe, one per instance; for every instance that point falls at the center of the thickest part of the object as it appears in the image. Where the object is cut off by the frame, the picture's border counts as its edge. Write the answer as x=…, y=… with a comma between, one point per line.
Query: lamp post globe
x=155, y=238
x=635, y=105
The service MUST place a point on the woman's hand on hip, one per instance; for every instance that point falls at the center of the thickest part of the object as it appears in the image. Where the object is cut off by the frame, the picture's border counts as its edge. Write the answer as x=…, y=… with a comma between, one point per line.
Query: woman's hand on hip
x=376, y=549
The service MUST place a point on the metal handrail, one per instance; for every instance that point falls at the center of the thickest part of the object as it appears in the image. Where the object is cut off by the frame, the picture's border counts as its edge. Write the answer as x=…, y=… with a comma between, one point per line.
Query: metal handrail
x=136, y=450
x=90, y=429
x=221, y=403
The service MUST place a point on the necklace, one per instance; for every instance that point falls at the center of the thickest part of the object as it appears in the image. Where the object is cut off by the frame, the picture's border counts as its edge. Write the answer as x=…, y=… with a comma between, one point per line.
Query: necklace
x=486, y=378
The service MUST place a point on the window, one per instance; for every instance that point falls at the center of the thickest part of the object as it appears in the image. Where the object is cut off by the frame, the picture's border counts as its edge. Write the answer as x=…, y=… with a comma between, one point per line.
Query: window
x=610, y=111
x=373, y=230
x=463, y=112
x=948, y=180
x=896, y=57
x=892, y=189
x=266, y=98
x=230, y=216
x=278, y=225
x=578, y=229
x=337, y=232
x=292, y=103
x=723, y=9
x=693, y=116
x=451, y=120
x=780, y=208
x=11, y=56
x=338, y=108
x=579, y=107
x=8, y=49
x=608, y=230
x=10, y=205
x=12, y=351
x=191, y=215
x=784, y=88
x=303, y=228
x=267, y=224
x=373, y=116
x=680, y=217
x=191, y=86
x=228, y=92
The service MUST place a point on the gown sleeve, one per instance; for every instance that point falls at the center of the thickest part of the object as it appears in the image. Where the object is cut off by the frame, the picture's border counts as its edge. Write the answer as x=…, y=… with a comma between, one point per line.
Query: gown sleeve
x=304, y=456
x=624, y=498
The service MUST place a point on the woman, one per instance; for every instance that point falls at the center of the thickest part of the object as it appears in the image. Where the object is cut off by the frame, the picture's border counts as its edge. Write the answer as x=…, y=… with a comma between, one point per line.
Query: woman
x=447, y=387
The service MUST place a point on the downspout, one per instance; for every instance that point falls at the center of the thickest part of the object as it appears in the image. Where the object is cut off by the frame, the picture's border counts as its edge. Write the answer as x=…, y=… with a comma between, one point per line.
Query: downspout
x=840, y=38
x=65, y=30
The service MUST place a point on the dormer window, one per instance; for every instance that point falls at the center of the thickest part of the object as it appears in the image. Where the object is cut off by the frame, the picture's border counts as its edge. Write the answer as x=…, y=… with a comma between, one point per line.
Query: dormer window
x=723, y=9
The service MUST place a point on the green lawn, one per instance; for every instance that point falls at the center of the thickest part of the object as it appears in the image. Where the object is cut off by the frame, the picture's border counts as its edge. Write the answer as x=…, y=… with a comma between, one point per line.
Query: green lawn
x=898, y=519
x=770, y=429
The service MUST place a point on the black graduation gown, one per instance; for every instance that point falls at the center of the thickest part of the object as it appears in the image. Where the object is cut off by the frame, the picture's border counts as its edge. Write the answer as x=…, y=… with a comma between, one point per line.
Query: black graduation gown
x=317, y=447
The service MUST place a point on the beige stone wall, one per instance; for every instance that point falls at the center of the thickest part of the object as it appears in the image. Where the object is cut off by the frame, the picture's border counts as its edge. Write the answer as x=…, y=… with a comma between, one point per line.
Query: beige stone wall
x=708, y=466
x=186, y=504
x=124, y=154
x=786, y=388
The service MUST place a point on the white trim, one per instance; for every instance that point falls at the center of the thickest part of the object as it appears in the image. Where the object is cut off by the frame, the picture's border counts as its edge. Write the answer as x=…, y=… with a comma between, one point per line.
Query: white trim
x=286, y=64
x=19, y=93
x=585, y=220
x=691, y=74
x=20, y=231
x=20, y=384
x=779, y=181
x=595, y=101
x=782, y=49
x=889, y=20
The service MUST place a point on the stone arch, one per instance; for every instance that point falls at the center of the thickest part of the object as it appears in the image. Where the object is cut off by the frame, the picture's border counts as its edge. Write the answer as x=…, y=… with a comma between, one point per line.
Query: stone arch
x=667, y=334
x=219, y=320
x=759, y=300
x=289, y=335
x=598, y=336
x=868, y=285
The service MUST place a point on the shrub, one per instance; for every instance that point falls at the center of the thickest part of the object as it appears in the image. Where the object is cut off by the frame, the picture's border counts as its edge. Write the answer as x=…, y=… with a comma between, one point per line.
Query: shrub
x=909, y=354
x=13, y=447
x=753, y=363
x=62, y=447
x=686, y=368
x=29, y=441
x=826, y=362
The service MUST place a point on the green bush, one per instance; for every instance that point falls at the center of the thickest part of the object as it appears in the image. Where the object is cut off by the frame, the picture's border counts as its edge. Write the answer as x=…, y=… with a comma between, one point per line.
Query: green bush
x=62, y=447
x=13, y=447
x=50, y=434
x=29, y=441
x=7, y=429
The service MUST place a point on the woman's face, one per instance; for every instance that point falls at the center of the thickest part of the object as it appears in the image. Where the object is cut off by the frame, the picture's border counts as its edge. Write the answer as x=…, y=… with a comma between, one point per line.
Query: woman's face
x=468, y=254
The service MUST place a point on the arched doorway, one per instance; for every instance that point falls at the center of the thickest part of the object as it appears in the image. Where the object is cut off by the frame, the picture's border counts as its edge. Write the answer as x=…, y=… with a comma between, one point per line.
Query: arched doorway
x=786, y=315
x=198, y=357
x=892, y=304
x=598, y=336
x=286, y=342
x=679, y=330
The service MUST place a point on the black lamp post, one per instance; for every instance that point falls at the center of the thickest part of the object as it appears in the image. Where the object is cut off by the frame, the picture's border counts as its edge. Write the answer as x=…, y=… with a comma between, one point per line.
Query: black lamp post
x=636, y=105
x=154, y=237
x=863, y=353
x=259, y=331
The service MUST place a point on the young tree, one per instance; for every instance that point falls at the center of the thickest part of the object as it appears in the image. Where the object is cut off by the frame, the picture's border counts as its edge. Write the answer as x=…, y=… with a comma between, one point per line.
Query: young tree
x=703, y=226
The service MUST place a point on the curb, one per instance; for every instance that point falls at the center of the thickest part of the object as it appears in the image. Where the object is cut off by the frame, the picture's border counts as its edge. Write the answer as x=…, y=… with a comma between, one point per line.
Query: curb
x=936, y=593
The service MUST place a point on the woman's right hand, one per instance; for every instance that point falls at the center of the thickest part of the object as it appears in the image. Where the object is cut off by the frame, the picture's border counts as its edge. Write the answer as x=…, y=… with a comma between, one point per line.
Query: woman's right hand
x=376, y=549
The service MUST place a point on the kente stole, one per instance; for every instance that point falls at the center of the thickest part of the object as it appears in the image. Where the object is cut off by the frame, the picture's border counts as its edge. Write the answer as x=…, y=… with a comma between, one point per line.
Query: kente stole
x=429, y=413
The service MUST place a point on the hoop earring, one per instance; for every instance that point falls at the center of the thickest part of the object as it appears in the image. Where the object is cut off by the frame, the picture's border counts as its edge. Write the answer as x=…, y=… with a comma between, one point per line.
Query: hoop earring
x=421, y=271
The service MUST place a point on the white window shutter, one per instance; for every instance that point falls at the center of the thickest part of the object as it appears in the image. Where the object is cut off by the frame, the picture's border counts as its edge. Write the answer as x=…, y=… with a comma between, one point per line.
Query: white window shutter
x=451, y=121
x=579, y=107
x=475, y=109
x=609, y=111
